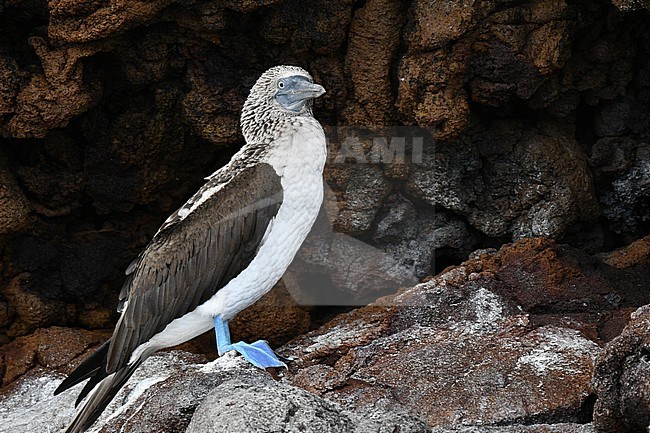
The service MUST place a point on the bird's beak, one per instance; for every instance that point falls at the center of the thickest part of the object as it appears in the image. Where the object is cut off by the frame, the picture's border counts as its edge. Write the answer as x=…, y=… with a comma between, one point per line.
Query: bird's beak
x=297, y=92
x=300, y=90
x=315, y=90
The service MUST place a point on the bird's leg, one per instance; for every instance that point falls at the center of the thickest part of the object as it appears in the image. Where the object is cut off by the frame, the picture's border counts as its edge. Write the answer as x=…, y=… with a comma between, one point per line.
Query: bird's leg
x=258, y=353
x=222, y=330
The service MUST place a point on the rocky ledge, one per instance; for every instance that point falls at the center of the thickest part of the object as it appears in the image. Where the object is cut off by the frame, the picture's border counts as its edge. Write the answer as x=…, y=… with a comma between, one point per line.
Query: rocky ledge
x=534, y=337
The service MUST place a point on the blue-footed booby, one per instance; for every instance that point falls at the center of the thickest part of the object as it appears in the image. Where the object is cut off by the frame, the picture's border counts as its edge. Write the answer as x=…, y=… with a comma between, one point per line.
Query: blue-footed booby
x=224, y=248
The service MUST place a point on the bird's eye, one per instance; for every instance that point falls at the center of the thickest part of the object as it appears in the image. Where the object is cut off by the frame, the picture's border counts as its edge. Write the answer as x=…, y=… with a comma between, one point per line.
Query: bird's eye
x=280, y=84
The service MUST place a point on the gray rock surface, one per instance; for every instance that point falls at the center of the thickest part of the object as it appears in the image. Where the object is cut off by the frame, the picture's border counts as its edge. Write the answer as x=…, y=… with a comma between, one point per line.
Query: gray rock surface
x=14, y=207
x=504, y=342
x=537, y=185
x=536, y=428
x=175, y=392
x=413, y=235
x=251, y=401
x=451, y=352
x=626, y=201
x=258, y=404
x=29, y=405
x=622, y=379
x=336, y=269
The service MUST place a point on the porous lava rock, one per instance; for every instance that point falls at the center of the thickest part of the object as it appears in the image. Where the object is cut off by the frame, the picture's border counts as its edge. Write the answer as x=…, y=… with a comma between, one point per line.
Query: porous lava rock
x=622, y=379
x=52, y=348
x=451, y=126
x=452, y=351
x=481, y=347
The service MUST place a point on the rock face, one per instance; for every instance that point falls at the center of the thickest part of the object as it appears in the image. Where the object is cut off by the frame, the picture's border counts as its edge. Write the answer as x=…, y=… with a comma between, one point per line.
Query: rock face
x=176, y=392
x=466, y=351
x=622, y=379
x=258, y=404
x=453, y=352
x=51, y=348
x=517, y=119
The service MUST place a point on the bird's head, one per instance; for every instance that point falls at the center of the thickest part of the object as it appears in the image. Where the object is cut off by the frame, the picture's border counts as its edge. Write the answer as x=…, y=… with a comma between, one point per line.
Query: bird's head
x=280, y=93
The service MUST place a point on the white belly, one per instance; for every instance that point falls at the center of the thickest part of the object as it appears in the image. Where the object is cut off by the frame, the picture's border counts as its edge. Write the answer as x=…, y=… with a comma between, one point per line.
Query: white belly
x=289, y=229
x=299, y=161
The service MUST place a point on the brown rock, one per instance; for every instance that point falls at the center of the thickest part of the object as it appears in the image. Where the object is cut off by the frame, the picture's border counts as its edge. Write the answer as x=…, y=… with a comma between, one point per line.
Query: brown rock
x=548, y=46
x=55, y=184
x=248, y=5
x=211, y=109
x=8, y=85
x=431, y=92
x=372, y=45
x=437, y=23
x=522, y=46
x=319, y=26
x=32, y=310
x=72, y=21
x=468, y=322
x=622, y=379
x=452, y=352
x=432, y=74
x=50, y=100
x=329, y=71
x=14, y=208
x=205, y=19
x=550, y=280
x=635, y=254
x=53, y=348
x=275, y=318
x=96, y=317
x=507, y=57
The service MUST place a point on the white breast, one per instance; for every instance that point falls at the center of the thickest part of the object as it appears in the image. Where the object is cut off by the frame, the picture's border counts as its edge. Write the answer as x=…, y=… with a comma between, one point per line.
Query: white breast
x=299, y=159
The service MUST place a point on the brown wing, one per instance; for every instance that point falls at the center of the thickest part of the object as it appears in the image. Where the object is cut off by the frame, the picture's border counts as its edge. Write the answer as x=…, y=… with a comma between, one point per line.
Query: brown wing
x=192, y=257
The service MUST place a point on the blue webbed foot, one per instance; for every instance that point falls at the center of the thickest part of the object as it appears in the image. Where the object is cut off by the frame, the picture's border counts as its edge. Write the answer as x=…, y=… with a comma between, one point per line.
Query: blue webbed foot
x=258, y=353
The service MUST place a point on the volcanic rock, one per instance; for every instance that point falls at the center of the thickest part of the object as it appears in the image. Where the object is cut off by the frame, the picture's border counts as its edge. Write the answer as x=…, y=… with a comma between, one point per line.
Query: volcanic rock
x=622, y=379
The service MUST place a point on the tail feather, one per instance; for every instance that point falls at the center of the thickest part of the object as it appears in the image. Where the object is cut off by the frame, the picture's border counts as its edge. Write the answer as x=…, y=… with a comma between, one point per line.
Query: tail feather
x=91, y=366
x=100, y=398
x=92, y=383
x=102, y=387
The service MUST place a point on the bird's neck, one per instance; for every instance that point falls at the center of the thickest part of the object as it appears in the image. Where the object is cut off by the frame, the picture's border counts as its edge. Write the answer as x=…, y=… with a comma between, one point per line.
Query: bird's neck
x=263, y=124
x=259, y=124
x=300, y=153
